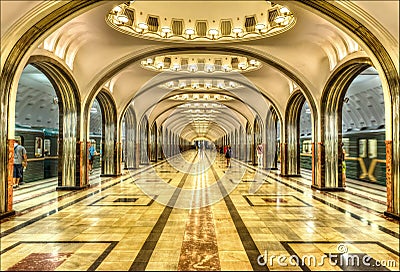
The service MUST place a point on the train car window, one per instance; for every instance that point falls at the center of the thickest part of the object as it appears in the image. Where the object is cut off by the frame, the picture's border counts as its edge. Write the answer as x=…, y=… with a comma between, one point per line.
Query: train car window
x=46, y=146
x=307, y=146
x=372, y=148
x=362, y=148
x=38, y=146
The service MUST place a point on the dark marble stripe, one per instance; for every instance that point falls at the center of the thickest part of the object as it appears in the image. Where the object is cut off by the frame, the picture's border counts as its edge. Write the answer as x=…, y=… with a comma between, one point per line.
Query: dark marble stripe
x=360, y=218
x=144, y=255
x=56, y=199
x=366, y=197
x=293, y=253
x=248, y=243
x=37, y=218
x=102, y=257
x=95, y=264
x=41, y=262
x=199, y=247
x=341, y=199
x=30, y=196
x=32, y=190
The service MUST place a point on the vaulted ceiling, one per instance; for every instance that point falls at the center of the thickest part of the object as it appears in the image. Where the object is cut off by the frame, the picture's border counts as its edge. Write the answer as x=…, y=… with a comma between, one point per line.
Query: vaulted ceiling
x=175, y=59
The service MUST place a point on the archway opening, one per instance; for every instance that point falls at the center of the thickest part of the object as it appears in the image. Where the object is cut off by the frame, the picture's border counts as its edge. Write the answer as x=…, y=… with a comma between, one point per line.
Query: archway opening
x=95, y=141
x=37, y=128
x=305, y=139
x=363, y=131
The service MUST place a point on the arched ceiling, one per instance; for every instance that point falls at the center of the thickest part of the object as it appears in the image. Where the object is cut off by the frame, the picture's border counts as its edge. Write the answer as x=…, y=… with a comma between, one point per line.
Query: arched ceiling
x=363, y=108
x=309, y=50
x=37, y=103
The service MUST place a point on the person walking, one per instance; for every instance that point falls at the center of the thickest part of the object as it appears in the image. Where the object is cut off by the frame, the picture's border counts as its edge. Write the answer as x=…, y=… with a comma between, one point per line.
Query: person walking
x=20, y=162
x=228, y=156
x=260, y=155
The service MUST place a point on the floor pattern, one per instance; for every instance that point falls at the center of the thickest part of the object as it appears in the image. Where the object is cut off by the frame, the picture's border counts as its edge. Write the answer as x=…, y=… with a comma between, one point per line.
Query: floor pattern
x=114, y=225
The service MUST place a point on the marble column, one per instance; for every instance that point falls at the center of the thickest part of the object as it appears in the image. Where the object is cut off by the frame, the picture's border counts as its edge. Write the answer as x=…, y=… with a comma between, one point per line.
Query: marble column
x=283, y=147
x=313, y=181
x=320, y=181
x=270, y=160
x=82, y=150
x=392, y=190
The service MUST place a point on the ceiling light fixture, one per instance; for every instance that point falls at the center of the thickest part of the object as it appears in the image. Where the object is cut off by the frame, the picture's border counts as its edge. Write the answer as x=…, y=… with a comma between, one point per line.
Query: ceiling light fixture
x=260, y=26
x=213, y=32
x=189, y=32
x=119, y=18
x=123, y=18
x=284, y=10
x=279, y=19
x=196, y=63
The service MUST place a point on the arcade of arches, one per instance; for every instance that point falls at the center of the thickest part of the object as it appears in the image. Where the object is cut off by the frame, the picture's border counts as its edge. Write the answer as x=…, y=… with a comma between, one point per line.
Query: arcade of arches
x=127, y=109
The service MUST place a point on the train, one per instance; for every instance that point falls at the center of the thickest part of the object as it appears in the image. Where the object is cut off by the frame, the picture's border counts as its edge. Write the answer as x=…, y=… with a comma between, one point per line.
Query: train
x=365, y=155
x=41, y=146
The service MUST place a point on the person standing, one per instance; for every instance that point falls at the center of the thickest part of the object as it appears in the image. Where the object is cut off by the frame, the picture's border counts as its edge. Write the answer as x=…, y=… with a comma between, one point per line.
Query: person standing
x=20, y=162
x=92, y=153
x=228, y=156
x=343, y=167
x=260, y=155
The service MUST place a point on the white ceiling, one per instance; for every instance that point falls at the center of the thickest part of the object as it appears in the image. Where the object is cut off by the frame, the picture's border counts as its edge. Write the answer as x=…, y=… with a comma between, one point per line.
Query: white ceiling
x=91, y=48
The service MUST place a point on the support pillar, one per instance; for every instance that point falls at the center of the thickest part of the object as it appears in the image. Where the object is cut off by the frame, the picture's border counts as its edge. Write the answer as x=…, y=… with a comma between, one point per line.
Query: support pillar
x=8, y=209
x=335, y=185
x=392, y=192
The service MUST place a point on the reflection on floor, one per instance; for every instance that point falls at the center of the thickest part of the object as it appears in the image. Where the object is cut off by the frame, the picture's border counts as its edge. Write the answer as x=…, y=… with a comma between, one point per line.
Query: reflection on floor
x=194, y=213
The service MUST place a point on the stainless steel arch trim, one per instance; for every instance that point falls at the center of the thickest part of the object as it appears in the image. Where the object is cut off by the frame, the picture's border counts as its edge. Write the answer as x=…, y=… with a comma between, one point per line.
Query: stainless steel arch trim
x=110, y=150
x=69, y=124
x=130, y=139
x=331, y=118
x=292, y=134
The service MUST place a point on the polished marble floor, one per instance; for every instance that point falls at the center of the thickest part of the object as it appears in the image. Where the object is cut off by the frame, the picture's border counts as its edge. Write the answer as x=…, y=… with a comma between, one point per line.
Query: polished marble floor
x=192, y=212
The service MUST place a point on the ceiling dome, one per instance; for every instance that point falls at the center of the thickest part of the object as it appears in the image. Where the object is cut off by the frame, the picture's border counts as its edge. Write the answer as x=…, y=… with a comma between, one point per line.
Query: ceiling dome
x=201, y=21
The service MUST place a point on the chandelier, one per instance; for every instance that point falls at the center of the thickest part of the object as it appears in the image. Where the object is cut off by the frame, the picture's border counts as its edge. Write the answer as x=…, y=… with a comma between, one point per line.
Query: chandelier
x=201, y=84
x=130, y=19
x=198, y=62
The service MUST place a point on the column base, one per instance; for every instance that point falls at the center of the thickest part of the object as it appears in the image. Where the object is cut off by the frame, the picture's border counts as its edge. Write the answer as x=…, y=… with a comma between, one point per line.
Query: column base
x=71, y=188
x=392, y=215
x=290, y=176
x=131, y=168
x=328, y=189
x=7, y=214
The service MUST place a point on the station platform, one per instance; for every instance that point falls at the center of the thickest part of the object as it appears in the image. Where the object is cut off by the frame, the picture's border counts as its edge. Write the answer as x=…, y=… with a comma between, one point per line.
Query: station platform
x=195, y=213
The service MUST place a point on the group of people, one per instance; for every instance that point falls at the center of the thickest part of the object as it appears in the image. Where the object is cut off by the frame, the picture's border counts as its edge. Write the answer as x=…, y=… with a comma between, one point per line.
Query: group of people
x=21, y=161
